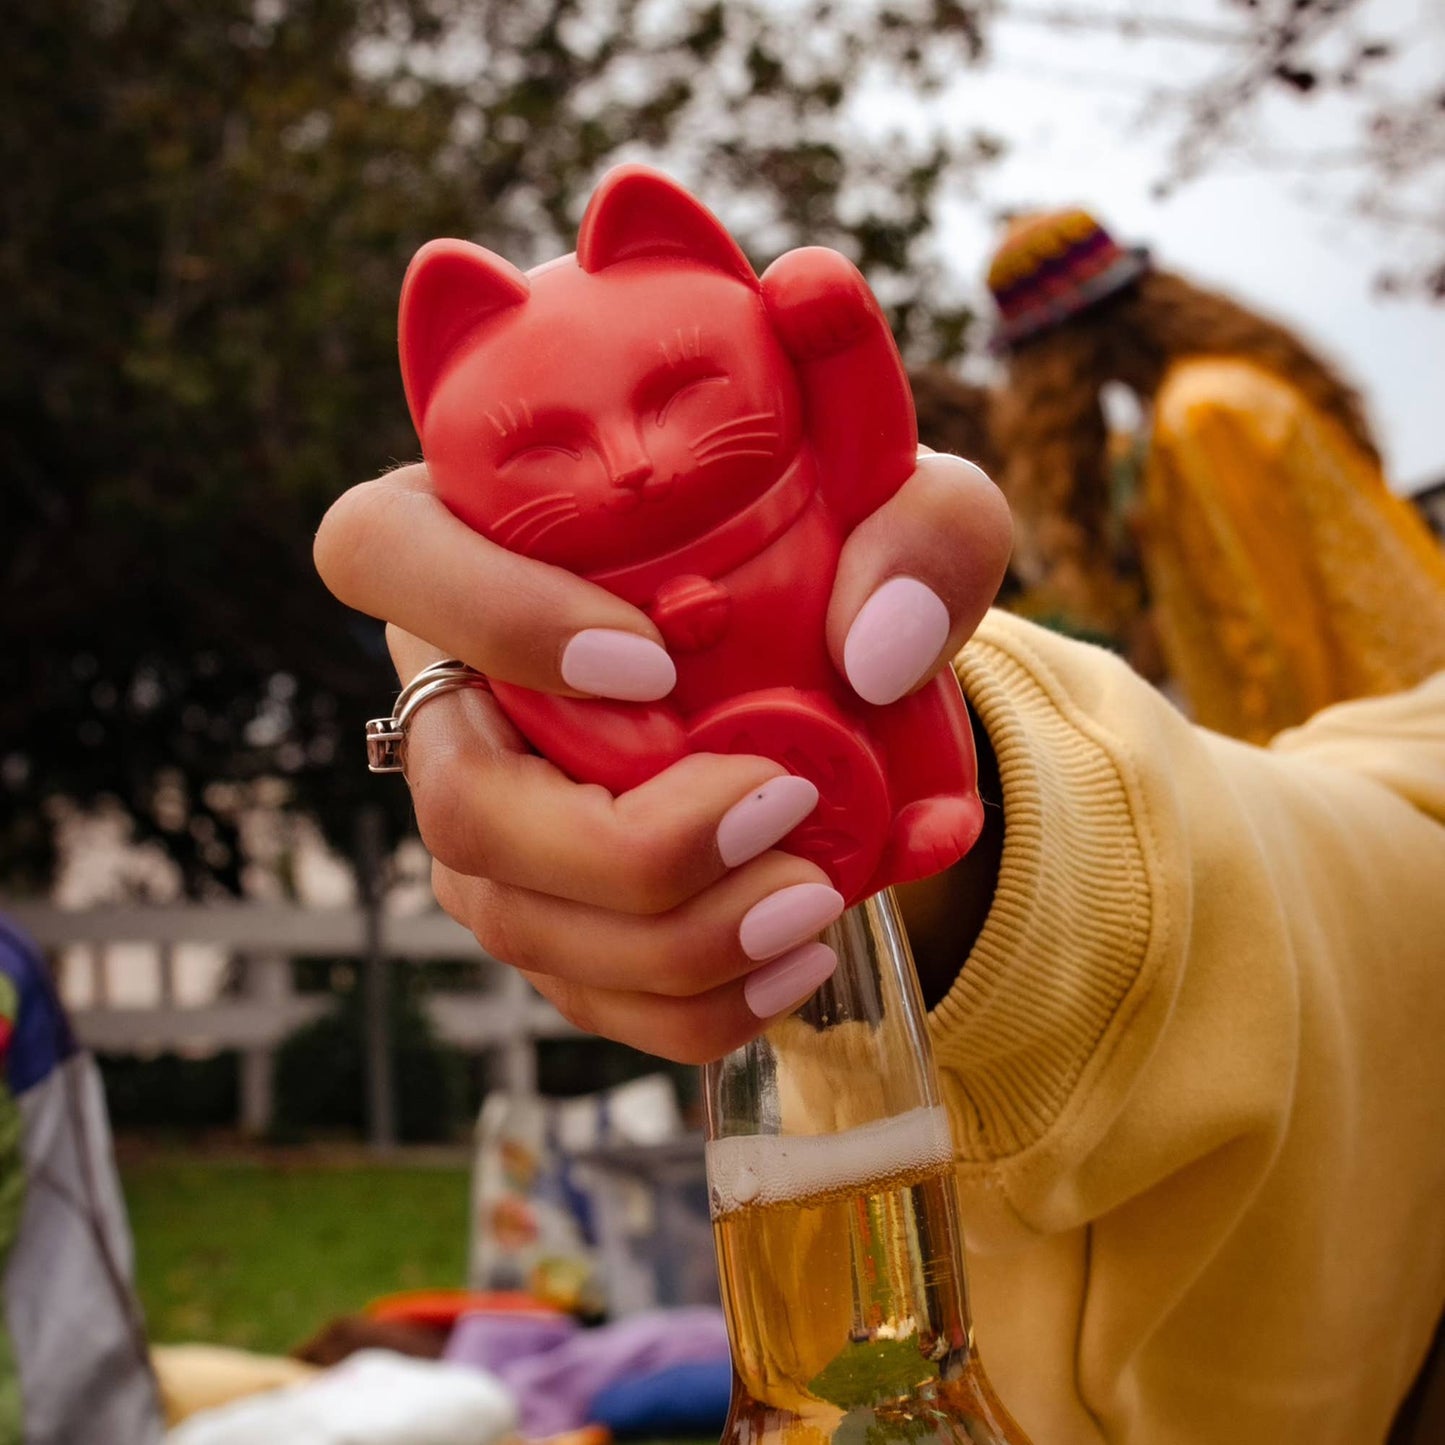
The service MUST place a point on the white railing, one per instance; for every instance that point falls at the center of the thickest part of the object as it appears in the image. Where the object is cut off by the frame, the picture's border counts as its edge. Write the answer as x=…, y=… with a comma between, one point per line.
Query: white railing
x=257, y=941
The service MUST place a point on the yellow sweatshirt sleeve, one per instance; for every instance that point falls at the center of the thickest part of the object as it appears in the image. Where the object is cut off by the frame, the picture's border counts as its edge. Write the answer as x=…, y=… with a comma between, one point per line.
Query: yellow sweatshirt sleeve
x=1196, y=1059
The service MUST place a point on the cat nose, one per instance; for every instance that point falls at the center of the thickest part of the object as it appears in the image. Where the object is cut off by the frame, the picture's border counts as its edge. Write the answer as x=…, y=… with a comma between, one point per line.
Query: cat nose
x=632, y=478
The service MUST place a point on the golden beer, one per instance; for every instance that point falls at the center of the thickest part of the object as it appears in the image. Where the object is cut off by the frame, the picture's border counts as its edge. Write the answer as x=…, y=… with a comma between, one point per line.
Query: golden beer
x=840, y=1262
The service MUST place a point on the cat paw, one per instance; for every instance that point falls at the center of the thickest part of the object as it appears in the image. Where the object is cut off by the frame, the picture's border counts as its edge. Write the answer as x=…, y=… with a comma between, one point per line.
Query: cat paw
x=930, y=835
x=692, y=613
x=818, y=302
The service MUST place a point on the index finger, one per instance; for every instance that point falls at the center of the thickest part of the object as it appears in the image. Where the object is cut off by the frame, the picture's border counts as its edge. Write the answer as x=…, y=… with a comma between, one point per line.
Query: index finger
x=392, y=548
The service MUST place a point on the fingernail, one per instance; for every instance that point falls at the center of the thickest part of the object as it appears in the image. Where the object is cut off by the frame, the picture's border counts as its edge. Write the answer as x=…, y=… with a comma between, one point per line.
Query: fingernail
x=623, y=665
x=788, y=980
x=788, y=917
x=895, y=638
x=768, y=813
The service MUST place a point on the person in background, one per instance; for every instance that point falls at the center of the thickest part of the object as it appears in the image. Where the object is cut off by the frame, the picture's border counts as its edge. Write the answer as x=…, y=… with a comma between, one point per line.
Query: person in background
x=954, y=415
x=1281, y=572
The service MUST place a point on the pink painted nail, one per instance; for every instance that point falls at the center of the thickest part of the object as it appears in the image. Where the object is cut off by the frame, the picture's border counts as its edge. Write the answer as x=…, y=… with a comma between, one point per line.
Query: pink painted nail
x=768, y=813
x=788, y=980
x=895, y=638
x=623, y=665
x=787, y=918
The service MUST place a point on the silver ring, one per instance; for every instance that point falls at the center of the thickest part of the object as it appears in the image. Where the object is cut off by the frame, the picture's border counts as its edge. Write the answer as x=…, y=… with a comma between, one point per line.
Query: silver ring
x=386, y=736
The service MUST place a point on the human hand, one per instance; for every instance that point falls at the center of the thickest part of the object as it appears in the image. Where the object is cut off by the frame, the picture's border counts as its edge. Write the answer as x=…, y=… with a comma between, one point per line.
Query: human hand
x=661, y=917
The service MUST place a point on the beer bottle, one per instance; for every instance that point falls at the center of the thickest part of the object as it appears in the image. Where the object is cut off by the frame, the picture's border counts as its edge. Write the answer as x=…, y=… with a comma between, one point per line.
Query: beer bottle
x=836, y=1219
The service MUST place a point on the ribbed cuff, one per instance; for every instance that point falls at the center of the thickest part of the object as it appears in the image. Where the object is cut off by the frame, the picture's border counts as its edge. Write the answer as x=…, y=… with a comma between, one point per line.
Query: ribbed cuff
x=1029, y=1018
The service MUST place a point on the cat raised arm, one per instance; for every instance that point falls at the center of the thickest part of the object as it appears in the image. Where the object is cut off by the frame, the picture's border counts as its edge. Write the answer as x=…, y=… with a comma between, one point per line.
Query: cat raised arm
x=856, y=397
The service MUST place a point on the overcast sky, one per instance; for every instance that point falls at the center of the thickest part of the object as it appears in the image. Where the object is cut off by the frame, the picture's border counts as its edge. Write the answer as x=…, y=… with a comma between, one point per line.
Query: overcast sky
x=1074, y=108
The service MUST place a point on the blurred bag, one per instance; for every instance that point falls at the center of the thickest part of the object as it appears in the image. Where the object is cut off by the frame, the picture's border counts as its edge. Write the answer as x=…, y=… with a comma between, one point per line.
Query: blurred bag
x=74, y=1363
x=654, y=1228
x=533, y=1214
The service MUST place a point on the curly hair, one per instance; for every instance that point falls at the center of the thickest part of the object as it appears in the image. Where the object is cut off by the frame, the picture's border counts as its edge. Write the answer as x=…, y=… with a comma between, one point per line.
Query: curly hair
x=1050, y=425
x=954, y=415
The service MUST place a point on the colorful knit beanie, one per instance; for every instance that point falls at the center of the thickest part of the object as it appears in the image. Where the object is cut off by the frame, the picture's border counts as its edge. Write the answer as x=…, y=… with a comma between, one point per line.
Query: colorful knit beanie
x=1052, y=266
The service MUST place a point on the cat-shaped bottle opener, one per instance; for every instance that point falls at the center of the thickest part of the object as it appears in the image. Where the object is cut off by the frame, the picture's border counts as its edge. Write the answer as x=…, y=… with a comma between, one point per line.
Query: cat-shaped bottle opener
x=651, y=415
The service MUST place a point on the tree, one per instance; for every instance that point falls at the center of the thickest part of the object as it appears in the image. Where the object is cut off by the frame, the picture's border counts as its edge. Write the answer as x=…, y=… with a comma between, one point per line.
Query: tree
x=209, y=206
x=1383, y=153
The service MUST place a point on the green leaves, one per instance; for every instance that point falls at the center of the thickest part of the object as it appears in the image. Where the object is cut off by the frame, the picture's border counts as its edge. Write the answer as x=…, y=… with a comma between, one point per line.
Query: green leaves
x=209, y=206
x=871, y=1373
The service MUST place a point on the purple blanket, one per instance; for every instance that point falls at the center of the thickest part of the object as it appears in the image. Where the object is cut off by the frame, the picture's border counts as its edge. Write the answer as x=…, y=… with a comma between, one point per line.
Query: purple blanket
x=556, y=1369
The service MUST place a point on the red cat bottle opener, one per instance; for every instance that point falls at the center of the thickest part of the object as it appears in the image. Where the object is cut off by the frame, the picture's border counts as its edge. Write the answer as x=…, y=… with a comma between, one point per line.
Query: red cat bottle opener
x=651, y=415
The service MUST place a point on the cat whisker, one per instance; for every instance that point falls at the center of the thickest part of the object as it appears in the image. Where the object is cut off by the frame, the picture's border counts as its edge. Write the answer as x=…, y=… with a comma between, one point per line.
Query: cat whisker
x=514, y=524
x=567, y=507
x=732, y=438
x=723, y=454
x=517, y=536
x=537, y=504
x=727, y=445
x=551, y=525
x=757, y=434
x=723, y=433
x=736, y=421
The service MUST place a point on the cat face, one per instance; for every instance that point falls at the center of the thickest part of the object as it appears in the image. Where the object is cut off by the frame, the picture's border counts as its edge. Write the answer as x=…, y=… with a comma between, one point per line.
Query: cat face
x=610, y=407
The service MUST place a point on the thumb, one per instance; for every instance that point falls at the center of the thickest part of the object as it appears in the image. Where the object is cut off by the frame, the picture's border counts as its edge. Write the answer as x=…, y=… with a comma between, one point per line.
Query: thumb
x=916, y=577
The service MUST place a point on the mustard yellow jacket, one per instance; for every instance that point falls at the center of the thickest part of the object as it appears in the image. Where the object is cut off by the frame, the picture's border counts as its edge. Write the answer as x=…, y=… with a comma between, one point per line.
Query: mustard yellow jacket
x=1284, y=573
x=1196, y=1060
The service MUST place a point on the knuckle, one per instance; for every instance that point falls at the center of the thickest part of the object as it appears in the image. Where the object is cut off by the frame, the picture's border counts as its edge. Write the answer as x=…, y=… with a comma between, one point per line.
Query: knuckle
x=655, y=857
x=450, y=892
x=573, y=1001
x=656, y=875
x=497, y=928
x=327, y=547
x=697, y=1036
x=685, y=961
x=436, y=822
x=484, y=910
x=359, y=528
x=446, y=814
x=340, y=540
x=397, y=639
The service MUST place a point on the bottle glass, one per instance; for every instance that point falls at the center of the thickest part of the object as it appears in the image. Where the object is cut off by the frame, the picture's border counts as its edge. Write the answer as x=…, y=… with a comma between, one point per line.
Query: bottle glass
x=836, y=1219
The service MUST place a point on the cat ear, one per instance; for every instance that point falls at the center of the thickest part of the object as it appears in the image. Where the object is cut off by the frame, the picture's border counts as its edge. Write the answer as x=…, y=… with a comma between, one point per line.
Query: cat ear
x=450, y=288
x=637, y=211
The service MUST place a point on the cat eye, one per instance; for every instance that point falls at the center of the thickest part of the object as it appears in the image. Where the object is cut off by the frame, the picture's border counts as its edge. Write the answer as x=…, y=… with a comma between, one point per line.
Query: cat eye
x=535, y=451
x=682, y=386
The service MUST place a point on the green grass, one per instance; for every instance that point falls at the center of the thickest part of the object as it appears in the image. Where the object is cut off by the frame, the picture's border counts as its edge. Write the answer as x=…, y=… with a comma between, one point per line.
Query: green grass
x=261, y=1254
